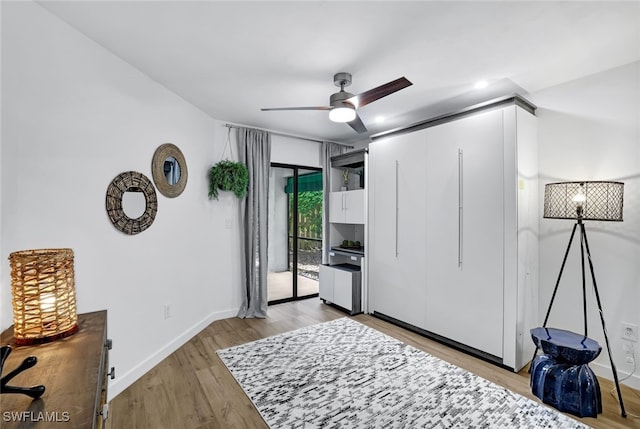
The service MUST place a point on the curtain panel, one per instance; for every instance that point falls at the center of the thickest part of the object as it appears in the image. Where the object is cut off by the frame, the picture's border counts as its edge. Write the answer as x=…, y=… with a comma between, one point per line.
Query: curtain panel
x=255, y=153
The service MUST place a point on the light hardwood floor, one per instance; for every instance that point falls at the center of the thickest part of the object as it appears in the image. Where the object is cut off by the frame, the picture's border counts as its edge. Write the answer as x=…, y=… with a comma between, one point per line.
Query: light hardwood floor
x=192, y=389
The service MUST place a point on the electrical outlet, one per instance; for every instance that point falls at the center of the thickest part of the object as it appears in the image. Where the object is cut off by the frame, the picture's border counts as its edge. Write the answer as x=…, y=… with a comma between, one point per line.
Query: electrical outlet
x=167, y=311
x=629, y=331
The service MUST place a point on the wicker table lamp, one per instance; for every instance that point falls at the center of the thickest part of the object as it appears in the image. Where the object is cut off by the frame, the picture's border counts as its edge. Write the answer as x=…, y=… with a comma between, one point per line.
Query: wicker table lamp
x=44, y=295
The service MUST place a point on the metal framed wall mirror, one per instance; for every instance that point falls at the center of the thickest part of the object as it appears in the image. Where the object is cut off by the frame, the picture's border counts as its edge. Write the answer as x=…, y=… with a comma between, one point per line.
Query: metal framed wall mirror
x=169, y=170
x=131, y=202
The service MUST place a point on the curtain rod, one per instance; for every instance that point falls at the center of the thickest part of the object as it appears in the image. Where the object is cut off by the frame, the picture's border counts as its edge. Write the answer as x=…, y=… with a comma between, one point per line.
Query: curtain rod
x=277, y=133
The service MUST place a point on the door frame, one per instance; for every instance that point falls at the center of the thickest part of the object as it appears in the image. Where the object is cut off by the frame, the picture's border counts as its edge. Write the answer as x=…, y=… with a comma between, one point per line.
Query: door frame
x=294, y=262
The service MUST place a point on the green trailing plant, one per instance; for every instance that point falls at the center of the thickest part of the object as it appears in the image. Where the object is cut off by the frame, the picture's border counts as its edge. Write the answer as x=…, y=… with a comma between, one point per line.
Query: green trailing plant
x=228, y=176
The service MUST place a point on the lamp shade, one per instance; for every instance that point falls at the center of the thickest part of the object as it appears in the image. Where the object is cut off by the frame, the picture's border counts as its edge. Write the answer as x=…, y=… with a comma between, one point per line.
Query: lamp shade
x=44, y=295
x=584, y=200
x=342, y=112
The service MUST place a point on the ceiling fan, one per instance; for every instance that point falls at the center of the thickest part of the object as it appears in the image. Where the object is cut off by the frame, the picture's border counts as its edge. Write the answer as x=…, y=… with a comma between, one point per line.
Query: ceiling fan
x=343, y=105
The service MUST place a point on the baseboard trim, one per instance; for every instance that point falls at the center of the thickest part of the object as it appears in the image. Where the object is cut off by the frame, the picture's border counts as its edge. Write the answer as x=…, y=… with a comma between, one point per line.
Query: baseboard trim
x=446, y=341
x=604, y=371
x=127, y=379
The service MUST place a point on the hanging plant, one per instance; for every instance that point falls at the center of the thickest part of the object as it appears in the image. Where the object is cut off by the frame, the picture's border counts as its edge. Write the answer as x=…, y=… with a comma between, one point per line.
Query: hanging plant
x=228, y=175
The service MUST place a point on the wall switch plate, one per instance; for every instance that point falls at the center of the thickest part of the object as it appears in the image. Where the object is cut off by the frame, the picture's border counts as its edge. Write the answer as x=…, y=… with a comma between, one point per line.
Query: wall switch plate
x=167, y=311
x=629, y=331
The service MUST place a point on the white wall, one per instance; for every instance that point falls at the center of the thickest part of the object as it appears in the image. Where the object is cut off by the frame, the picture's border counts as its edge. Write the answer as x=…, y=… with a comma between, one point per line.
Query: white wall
x=74, y=116
x=589, y=129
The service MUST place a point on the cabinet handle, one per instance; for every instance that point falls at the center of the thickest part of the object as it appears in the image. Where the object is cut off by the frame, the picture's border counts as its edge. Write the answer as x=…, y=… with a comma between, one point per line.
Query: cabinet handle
x=397, y=203
x=460, y=208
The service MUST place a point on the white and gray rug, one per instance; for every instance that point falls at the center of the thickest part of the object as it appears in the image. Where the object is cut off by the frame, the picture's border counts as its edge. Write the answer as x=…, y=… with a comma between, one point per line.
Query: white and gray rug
x=343, y=374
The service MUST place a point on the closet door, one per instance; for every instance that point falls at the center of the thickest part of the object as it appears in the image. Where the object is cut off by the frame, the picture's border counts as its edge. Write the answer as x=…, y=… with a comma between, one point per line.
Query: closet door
x=336, y=207
x=465, y=231
x=354, y=203
x=397, y=227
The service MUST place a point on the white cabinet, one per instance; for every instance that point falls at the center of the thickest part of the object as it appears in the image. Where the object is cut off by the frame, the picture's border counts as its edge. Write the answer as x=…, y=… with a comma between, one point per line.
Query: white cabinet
x=397, y=229
x=347, y=207
x=452, y=227
x=343, y=277
x=340, y=285
x=464, y=280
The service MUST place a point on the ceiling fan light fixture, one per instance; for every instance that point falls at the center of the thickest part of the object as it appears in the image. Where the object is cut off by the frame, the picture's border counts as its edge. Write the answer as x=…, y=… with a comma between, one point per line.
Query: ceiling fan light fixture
x=343, y=105
x=343, y=112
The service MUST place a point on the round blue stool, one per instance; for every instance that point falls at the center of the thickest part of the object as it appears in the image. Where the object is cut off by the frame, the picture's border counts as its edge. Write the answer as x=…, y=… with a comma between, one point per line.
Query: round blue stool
x=561, y=377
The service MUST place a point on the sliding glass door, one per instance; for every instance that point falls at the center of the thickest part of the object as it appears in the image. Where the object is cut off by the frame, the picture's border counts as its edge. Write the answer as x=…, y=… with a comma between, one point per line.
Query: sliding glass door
x=295, y=232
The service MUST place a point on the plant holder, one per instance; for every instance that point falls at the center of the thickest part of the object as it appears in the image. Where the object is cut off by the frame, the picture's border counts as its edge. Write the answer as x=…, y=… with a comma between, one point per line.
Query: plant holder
x=228, y=175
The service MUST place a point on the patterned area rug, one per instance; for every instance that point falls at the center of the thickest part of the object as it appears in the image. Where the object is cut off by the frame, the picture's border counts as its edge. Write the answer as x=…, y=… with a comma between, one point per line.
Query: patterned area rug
x=343, y=374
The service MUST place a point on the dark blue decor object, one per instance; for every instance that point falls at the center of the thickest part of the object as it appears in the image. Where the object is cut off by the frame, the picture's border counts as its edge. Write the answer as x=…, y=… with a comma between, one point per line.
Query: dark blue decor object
x=561, y=376
x=566, y=346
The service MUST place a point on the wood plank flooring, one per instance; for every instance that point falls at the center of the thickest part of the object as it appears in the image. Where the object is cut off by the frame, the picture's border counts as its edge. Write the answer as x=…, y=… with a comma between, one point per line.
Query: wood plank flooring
x=192, y=389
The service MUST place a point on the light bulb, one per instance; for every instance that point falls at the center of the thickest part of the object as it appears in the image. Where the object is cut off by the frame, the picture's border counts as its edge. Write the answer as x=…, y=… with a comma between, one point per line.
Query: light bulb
x=342, y=114
x=579, y=198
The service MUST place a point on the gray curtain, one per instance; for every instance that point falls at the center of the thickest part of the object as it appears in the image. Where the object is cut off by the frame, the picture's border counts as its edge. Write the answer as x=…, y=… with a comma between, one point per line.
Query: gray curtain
x=328, y=150
x=255, y=152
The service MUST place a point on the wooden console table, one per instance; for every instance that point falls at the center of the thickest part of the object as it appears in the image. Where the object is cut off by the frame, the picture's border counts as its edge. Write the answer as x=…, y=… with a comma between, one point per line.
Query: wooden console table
x=74, y=371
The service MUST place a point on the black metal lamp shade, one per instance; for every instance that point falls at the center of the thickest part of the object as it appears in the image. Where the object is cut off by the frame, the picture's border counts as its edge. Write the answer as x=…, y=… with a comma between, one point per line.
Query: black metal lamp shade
x=594, y=200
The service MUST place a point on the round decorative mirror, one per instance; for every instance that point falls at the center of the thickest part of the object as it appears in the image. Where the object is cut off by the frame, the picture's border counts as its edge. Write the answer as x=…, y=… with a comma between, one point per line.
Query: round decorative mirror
x=131, y=202
x=169, y=170
x=134, y=203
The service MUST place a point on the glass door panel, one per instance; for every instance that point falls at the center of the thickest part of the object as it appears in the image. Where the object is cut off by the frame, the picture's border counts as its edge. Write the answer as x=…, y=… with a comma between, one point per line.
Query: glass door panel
x=300, y=227
x=309, y=247
x=279, y=277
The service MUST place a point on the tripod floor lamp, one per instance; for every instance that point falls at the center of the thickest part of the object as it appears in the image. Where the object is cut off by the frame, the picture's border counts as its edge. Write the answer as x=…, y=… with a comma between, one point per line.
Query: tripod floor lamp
x=601, y=201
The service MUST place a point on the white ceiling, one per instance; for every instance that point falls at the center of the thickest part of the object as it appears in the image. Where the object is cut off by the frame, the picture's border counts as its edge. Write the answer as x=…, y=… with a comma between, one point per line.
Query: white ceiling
x=232, y=58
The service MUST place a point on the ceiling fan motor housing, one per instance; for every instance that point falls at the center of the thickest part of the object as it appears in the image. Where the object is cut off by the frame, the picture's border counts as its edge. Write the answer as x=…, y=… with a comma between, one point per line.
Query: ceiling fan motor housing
x=339, y=98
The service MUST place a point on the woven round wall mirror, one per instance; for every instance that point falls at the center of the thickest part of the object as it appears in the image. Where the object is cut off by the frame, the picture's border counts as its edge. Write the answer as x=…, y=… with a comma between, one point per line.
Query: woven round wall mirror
x=169, y=170
x=123, y=183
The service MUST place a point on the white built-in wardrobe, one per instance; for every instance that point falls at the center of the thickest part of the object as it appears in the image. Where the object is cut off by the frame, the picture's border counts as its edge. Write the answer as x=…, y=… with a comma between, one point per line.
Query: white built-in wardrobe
x=453, y=221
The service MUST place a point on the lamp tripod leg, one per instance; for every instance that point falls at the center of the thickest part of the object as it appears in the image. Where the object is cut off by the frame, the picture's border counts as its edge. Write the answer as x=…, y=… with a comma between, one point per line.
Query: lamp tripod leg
x=604, y=329
x=555, y=289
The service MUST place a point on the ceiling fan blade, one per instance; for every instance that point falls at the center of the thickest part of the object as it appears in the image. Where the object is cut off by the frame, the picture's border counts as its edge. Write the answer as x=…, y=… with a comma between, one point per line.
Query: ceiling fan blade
x=357, y=125
x=381, y=91
x=296, y=108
